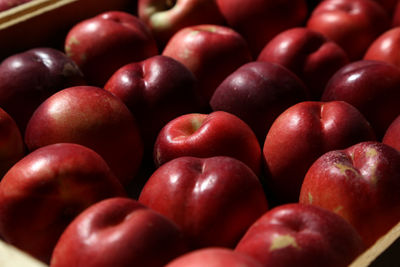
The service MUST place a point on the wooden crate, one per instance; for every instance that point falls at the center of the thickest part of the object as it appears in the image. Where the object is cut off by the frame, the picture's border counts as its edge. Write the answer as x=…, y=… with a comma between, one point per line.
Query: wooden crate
x=45, y=23
x=384, y=253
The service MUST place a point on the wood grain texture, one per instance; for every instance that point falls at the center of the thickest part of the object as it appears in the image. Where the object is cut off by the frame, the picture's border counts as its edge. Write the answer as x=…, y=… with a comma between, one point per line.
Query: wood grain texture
x=46, y=22
x=370, y=257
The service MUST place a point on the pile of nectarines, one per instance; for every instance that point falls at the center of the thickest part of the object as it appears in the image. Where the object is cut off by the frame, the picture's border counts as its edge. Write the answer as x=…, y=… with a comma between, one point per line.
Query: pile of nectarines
x=205, y=133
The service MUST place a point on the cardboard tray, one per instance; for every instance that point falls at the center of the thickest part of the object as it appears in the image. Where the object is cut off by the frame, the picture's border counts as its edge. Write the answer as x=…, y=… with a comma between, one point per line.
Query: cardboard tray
x=45, y=23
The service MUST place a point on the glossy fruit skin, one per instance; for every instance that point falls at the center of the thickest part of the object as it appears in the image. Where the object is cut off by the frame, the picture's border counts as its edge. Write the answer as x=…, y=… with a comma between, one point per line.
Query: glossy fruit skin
x=44, y=191
x=352, y=24
x=301, y=235
x=12, y=147
x=205, y=195
x=102, y=44
x=92, y=117
x=29, y=77
x=361, y=184
x=211, y=52
x=385, y=47
x=206, y=135
x=118, y=232
x=156, y=91
x=214, y=257
x=165, y=18
x=258, y=92
x=258, y=21
x=308, y=54
x=304, y=132
x=370, y=86
x=391, y=136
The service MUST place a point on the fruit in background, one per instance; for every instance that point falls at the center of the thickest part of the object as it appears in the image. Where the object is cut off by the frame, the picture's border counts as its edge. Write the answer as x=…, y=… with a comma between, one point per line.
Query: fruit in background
x=301, y=235
x=29, y=77
x=361, y=184
x=102, y=44
x=352, y=24
x=156, y=91
x=8, y=4
x=258, y=21
x=257, y=93
x=118, y=232
x=308, y=54
x=301, y=134
x=11, y=143
x=211, y=52
x=92, y=117
x=385, y=47
x=214, y=257
x=370, y=86
x=311, y=4
x=392, y=134
x=396, y=16
x=213, y=200
x=388, y=5
x=42, y=193
x=207, y=135
x=165, y=17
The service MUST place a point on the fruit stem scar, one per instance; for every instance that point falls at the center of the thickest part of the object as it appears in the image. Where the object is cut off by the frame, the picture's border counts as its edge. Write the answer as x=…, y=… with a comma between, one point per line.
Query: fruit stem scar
x=371, y=152
x=344, y=168
x=310, y=198
x=212, y=29
x=170, y=3
x=72, y=41
x=196, y=124
x=338, y=209
x=283, y=241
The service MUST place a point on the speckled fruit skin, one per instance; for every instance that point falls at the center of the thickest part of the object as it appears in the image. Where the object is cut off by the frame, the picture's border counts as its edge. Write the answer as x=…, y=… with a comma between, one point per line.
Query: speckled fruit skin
x=370, y=86
x=258, y=21
x=29, y=77
x=352, y=24
x=258, y=92
x=308, y=54
x=301, y=134
x=164, y=18
x=211, y=52
x=43, y=192
x=361, y=184
x=92, y=117
x=102, y=44
x=119, y=232
x=156, y=91
x=301, y=235
x=213, y=200
x=214, y=257
x=206, y=135
x=11, y=143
